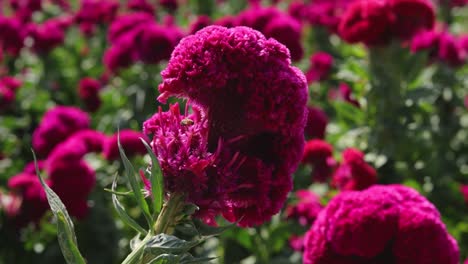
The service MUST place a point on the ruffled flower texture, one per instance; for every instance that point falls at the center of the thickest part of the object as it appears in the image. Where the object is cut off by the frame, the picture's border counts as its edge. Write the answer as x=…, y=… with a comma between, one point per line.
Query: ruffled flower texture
x=254, y=105
x=306, y=209
x=384, y=224
x=8, y=87
x=354, y=173
x=321, y=64
x=88, y=91
x=377, y=22
x=317, y=121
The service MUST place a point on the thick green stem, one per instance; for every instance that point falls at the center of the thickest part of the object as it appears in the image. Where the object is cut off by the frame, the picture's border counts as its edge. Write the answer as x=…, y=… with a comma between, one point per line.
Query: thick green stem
x=169, y=213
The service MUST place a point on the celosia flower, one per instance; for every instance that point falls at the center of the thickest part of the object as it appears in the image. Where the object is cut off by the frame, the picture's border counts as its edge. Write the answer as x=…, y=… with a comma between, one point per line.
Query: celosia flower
x=88, y=91
x=121, y=55
x=298, y=10
x=8, y=87
x=33, y=198
x=12, y=37
x=127, y=23
x=464, y=192
x=170, y=5
x=57, y=125
x=450, y=50
x=426, y=40
x=317, y=122
x=141, y=6
x=319, y=154
x=10, y=203
x=201, y=22
x=327, y=13
x=297, y=242
x=95, y=12
x=306, y=209
x=273, y=23
x=156, y=43
x=366, y=21
x=383, y=224
x=376, y=22
x=130, y=141
x=48, y=35
x=343, y=93
x=411, y=17
x=321, y=64
x=254, y=102
x=354, y=173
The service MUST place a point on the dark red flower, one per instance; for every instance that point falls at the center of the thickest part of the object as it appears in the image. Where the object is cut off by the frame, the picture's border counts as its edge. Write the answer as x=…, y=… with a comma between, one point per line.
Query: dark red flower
x=450, y=50
x=343, y=93
x=319, y=154
x=254, y=101
x=354, y=173
x=321, y=64
x=8, y=87
x=13, y=34
x=306, y=209
x=317, y=122
x=88, y=91
x=141, y=6
x=383, y=224
x=367, y=21
x=411, y=17
x=170, y=5
x=130, y=141
x=57, y=125
x=95, y=12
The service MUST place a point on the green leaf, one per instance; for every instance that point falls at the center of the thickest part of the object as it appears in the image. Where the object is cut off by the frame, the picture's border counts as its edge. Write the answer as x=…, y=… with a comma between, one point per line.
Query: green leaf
x=207, y=230
x=189, y=259
x=190, y=209
x=187, y=228
x=157, y=184
x=131, y=175
x=163, y=243
x=121, y=211
x=165, y=259
x=66, y=231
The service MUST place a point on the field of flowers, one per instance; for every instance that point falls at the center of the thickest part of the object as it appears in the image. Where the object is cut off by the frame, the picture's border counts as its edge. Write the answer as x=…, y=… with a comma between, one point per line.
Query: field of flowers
x=234, y=131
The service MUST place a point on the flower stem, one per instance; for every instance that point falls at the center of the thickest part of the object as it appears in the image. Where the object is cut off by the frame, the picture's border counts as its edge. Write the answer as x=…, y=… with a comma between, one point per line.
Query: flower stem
x=169, y=213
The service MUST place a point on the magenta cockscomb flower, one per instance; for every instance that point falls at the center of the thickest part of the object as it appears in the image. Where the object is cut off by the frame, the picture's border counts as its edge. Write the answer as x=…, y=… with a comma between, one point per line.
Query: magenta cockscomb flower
x=95, y=12
x=13, y=34
x=48, y=35
x=8, y=87
x=464, y=192
x=199, y=23
x=326, y=13
x=306, y=209
x=33, y=203
x=137, y=37
x=255, y=106
x=145, y=6
x=317, y=121
x=441, y=46
x=130, y=141
x=354, y=173
x=321, y=64
x=274, y=23
x=57, y=125
x=319, y=154
x=88, y=91
x=383, y=224
x=343, y=92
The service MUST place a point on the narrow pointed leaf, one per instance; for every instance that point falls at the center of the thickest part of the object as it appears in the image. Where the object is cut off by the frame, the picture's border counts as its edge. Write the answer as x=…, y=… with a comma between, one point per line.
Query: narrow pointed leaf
x=134, y=183
x=122, y=213
x=165, y=259
x=66, y=232
x=156, y=180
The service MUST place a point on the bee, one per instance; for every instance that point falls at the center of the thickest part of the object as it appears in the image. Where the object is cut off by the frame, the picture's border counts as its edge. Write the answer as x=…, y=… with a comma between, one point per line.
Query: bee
x=186, y=122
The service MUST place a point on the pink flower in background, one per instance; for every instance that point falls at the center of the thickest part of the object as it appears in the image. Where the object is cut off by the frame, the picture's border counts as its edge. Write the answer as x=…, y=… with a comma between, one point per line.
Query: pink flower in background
x=127, y=23
x=170, y=5
x=95, y=12
x=376, y=22
x=464, y=192
x=255, y=106
x=383, y=224
x=426, y=40
x=306, y=209
x=141, y=6
x=274, y=23
x=326, y=13
x=343, y=93
x=321, y=64
x=8, y=87
x=317, y=122
x=199, y=23
x=319, y=154
x=130, y=141
x=88, y=91
x=298, y=10
x=354, y=173
x=296, y=242
x=450, y=50
x=13, y=34
x=48, y=35
x=57, y=125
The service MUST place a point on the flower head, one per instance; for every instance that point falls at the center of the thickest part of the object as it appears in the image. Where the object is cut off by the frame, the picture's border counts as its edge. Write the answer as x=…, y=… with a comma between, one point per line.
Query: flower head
x=130, y=141
x=319, y=154
x=354, y=173
x=383, y=224
x=321, y=64
x=57, y=125
x=317, y=122
x=88, y=91
x=253, y=101
x=306, y=209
